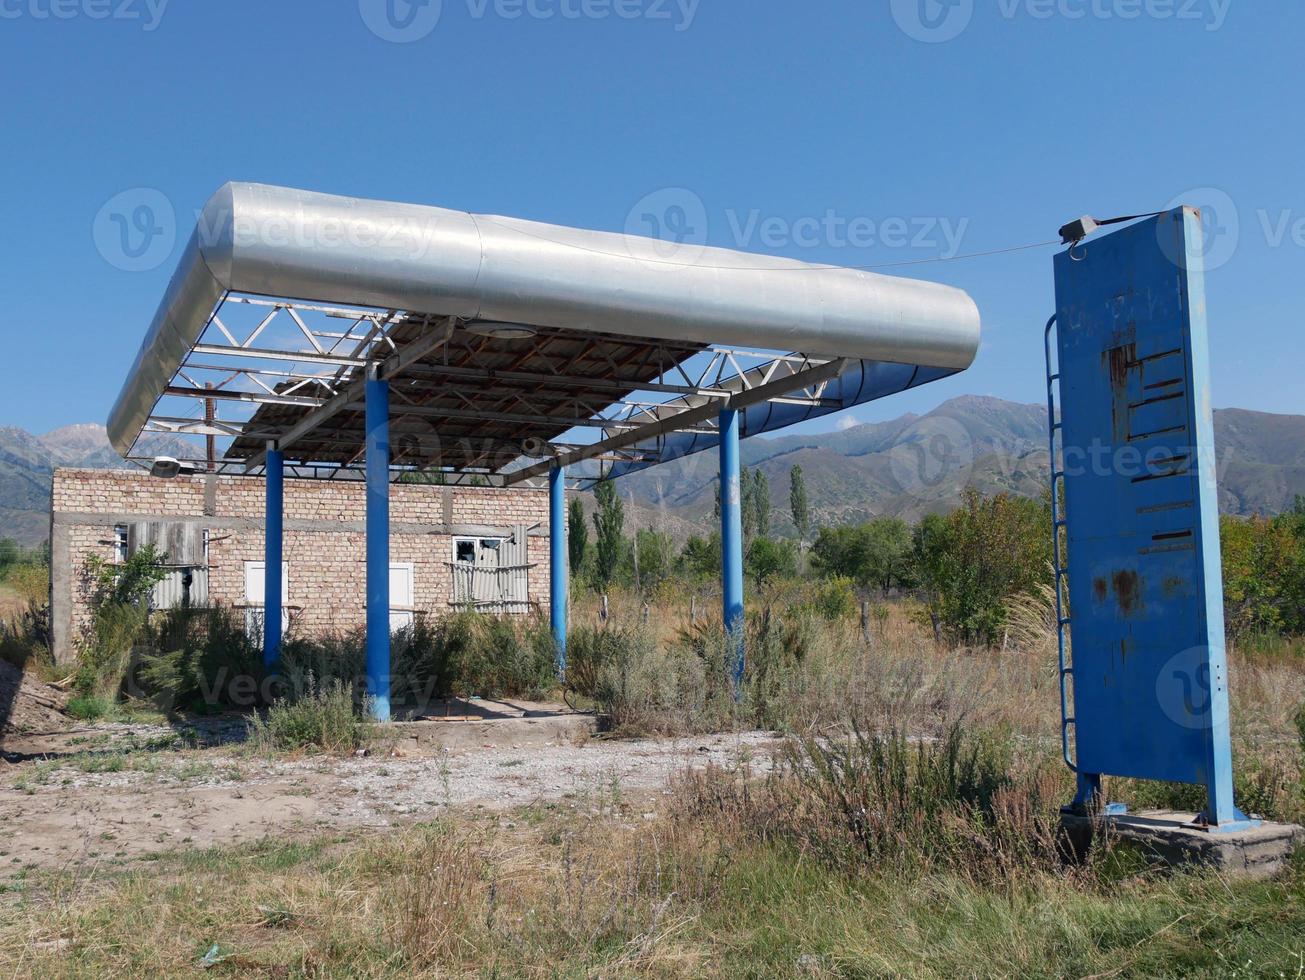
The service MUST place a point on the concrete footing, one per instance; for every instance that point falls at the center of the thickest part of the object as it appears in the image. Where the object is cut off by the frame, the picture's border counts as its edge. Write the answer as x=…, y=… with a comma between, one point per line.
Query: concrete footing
x=1172, y=839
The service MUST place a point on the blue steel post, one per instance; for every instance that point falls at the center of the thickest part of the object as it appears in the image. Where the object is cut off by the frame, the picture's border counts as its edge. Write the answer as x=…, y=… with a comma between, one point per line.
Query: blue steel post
x=273, y=600
x=558, y=558
x=731, y=539
x=378, y=547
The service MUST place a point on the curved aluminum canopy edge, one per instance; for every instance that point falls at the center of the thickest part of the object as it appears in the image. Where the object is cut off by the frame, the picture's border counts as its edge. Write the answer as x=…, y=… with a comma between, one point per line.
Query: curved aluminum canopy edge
x=302, y=245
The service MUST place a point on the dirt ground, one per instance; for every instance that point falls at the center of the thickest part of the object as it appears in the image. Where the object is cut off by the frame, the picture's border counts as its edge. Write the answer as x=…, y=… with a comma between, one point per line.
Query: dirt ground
x=105, y=795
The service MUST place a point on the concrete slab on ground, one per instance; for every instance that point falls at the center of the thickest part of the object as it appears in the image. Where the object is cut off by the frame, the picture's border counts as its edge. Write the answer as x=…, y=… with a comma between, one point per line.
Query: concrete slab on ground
x=1172, y=839
x=458, y=723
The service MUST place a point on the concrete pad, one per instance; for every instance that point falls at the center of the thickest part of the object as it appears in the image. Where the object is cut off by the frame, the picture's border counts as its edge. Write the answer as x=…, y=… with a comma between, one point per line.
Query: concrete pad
x=472, y=724
x=1173, y=839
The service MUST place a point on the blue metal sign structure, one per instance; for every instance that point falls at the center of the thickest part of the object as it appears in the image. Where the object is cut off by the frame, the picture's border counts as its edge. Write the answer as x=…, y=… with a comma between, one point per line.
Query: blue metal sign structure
x=1138, y=546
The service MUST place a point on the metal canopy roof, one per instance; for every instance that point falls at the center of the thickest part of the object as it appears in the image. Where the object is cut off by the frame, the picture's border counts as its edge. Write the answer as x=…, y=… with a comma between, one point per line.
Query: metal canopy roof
x=508, y=345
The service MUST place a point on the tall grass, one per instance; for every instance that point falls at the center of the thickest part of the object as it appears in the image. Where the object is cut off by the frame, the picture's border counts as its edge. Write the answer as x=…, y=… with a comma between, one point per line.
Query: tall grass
x=326, y=718
x=724, y=881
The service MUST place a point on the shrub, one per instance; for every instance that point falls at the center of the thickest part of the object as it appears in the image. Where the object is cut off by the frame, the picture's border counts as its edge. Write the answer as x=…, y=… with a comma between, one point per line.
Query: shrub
x=881, y=802
x=107, y=652
x=119, y=601
x=88, y=707
x=25, y=639
x=642, y=688
x=1264, y=575
x=201, y=659
x=306, y=663
x=31, y=581
x=832, y=599
x=324, y=718
x=974, y=560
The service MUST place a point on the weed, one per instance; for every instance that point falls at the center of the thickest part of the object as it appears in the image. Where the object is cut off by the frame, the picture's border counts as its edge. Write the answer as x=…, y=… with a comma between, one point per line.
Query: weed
x=324, y=718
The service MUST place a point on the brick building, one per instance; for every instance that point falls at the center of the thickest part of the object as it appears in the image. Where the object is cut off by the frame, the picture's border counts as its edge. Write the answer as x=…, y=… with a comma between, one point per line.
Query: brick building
x=449, y=546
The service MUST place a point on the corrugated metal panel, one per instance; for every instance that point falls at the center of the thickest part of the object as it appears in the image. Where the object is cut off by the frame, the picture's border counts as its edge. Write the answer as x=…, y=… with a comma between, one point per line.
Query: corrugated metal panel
x=179, y=587
x=513, y=580
x=498, y=579
x=180, y=542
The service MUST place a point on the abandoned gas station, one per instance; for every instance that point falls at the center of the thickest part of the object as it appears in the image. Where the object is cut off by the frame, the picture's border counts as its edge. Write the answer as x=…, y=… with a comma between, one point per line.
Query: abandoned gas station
x=383, y=344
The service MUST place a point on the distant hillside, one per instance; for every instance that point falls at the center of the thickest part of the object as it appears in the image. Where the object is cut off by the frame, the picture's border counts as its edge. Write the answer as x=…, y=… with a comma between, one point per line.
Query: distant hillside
x=918, y=464
x=911, y=466
x=27, y=464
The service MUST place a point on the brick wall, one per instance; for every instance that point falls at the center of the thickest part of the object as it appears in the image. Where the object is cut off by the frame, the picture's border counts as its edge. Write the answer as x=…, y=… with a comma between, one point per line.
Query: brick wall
x=324, y=543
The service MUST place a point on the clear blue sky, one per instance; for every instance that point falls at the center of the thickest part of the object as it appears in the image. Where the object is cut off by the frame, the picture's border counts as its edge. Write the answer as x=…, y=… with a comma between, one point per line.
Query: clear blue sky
x=1035, y=112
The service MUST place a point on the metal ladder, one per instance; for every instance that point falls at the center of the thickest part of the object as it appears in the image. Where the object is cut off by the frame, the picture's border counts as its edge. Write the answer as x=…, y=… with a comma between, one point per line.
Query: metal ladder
x=1055, y=425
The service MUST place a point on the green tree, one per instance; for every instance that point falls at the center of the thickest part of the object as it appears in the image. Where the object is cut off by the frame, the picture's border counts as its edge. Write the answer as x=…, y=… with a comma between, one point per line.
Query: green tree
x=877, y=554
x=609, y=525
x=973, y=560
x=656, y=555
x=769, y=559
x=762, y=509
x=577, y=542
x=10, y=553
x=1263, y=575
x=798, y=503
x=702, y=556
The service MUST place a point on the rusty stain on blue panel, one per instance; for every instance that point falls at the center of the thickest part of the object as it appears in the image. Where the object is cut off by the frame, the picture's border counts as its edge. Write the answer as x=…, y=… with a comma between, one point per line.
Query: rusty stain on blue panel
x=1145, y=588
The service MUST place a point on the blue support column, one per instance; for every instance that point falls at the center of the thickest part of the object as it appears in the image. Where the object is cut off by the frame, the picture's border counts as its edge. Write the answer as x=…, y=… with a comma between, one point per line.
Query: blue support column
x=378, y=547
x=731, y=538
x=558, y=557
x=273, y=558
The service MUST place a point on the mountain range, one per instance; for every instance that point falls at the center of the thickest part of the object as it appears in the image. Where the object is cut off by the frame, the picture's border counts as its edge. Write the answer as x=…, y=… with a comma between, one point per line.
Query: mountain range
x=907, y=467
x=920, y=464
x=27, y=464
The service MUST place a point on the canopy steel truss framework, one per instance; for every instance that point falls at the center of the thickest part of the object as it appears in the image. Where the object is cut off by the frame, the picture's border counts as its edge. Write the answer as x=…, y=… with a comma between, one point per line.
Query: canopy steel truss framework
x=467, y=404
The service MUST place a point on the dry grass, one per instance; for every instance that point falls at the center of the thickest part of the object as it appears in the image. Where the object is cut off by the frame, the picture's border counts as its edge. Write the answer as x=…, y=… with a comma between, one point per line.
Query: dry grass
x=730, y=878
x=865, y=853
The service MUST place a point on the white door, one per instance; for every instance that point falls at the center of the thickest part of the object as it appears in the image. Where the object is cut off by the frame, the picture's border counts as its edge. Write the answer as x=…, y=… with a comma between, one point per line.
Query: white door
x=255, y=599
x=401, y=596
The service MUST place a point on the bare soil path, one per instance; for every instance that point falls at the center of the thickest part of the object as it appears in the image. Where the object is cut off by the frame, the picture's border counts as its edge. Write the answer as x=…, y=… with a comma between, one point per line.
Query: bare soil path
x=103, y=808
